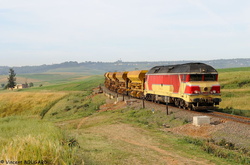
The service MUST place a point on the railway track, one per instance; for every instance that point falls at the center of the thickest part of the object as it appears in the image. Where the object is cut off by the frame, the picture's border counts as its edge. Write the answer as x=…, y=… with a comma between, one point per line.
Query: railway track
x=226, y=116
x=212, y=113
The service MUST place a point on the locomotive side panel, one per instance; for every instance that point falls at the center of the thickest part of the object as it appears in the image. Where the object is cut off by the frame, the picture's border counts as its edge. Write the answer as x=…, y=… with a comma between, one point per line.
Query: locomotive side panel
x=162, y=84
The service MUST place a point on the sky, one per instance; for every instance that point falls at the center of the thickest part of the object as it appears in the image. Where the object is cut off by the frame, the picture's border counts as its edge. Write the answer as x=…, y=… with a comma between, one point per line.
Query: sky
x=36, y=32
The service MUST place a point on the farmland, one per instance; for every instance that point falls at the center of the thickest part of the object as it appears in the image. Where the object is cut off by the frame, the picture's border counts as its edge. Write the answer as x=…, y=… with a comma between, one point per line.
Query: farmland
x=64, y=123
x=235, y=90
x=24, y=132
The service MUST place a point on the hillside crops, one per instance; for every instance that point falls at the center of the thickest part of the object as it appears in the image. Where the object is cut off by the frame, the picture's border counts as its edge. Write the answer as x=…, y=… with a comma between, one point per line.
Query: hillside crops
x=235, y=84
x=26, y=103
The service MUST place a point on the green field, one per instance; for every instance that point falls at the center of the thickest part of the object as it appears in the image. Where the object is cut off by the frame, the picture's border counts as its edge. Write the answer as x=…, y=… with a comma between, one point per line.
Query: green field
x=235, y=89
x=49, y=78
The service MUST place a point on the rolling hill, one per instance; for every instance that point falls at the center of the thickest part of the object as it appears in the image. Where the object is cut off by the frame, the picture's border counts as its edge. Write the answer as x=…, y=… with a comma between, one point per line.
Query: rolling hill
x=93, y=68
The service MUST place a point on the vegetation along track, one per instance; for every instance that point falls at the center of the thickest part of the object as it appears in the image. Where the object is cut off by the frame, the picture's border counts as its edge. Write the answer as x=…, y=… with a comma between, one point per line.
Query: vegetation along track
x=224, y=116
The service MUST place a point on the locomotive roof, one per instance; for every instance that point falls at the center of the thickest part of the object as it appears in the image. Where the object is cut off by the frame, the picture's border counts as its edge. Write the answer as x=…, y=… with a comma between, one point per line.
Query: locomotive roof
x=183, y=68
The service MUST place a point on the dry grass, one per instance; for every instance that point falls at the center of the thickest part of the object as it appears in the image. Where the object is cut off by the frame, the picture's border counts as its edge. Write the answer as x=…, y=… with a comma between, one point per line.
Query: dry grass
x=26, y=103
x=24, y=136
x=235, y=89
x=241, y=103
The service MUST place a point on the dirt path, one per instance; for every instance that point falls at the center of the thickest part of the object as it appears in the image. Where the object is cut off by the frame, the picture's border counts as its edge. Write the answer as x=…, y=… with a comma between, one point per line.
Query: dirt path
x=140, y=138
x=136, y=142
x=81, y=122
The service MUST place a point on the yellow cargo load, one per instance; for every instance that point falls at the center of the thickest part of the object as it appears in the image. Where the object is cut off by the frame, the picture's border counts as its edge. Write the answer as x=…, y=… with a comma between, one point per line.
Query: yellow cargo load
x=112, y=76
x=137, y=76
x=106, y=75
x=109, y=74
x=121, y=76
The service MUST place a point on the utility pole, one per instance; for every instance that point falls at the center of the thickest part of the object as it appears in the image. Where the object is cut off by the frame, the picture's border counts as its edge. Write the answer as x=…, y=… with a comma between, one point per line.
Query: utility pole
x=167, y=105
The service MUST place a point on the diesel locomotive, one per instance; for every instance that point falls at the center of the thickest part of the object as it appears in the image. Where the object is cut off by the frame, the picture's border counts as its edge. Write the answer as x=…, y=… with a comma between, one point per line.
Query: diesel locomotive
x=192, y=86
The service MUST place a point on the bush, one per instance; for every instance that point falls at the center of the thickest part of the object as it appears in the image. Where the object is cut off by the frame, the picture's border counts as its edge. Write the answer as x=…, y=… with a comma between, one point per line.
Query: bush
x=222, y=149
x=67, y=108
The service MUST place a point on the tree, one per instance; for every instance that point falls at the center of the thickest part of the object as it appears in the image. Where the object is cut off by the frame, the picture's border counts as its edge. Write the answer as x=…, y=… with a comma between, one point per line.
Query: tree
x=11, y=79
x=31, y=84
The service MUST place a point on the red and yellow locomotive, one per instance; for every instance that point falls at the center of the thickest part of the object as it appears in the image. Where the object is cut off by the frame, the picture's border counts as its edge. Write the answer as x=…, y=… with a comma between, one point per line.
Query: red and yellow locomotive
x=193, y=85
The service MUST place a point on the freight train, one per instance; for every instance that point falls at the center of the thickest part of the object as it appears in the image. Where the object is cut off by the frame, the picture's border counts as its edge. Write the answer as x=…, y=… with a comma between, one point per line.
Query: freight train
x=192, y=86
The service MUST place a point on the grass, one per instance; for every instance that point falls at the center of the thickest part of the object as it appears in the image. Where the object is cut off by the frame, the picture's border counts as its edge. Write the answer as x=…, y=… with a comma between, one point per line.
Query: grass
x=81, y=70
x=222, y=149
x=148, y=119
x=235, y=89
x=25, y=138
x=234, y=80
x=49, y=106
x=140, y=139
x=85, y=85
x=26, y=103
x=98, y=150
x=234, y=69
x=74, y=106
x=43, y=78
x=50, y=78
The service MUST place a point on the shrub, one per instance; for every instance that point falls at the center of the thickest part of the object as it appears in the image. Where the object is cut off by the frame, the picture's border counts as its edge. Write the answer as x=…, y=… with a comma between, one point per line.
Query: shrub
x=67, y=108
x=222, y=149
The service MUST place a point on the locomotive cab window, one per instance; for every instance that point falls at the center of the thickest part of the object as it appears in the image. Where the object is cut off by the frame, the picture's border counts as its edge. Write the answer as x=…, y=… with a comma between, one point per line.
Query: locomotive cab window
x=196, y=77
x=184, y=78
x=203, y=77
x=210, y=77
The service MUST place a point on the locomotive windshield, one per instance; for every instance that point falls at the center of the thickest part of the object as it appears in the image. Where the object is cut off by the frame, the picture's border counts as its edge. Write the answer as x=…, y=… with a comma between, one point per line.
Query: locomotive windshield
x=196, y=77
x=210, y=77
x=203, y=77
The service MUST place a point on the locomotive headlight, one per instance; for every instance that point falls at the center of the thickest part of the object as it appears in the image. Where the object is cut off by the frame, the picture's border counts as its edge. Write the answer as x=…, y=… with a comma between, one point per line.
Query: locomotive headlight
x=196, y=92
x=213, y=92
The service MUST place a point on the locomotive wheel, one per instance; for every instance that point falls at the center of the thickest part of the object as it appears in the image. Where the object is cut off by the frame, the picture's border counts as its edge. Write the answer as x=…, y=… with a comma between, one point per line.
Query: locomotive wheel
x=149, y=97
x=177, y=102
x=153, y=99
x=183, y=104
x=189, y=107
